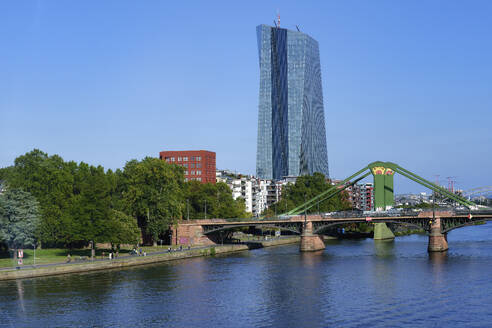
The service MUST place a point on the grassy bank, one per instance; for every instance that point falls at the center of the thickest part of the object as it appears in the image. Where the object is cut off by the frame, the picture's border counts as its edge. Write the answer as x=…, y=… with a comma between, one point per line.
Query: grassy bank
x=121, y=262
x=154, y=255
x=59, y=255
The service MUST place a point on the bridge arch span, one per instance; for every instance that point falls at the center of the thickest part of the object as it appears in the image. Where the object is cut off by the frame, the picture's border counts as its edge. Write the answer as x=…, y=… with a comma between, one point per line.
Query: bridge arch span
x=456, y=223
x=321, y=227
x=294, y=228
x=412, y=224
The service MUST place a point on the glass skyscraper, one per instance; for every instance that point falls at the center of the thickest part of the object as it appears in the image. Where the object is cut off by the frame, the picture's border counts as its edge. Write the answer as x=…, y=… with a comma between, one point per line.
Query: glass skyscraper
x=291, y=122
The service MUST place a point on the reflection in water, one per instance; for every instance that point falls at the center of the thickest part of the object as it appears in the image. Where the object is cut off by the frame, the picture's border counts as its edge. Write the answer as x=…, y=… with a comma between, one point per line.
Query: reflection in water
x=383, y=270
x=353, y=283
x=438, y=265
x=20, y=292
x=384, y=248
x=310, y=259
x=438, y=259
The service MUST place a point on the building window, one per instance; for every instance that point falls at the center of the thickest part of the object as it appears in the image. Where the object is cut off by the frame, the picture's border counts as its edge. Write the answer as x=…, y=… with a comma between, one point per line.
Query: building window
x=192, y=172
x=199, y=179
x=172, y=159
x=186, y=179
x=185, y=159
x=198, y=165
x=192, y=165
x=198, y=172
x=185, y=165
x=179, y=159
x=198, y=158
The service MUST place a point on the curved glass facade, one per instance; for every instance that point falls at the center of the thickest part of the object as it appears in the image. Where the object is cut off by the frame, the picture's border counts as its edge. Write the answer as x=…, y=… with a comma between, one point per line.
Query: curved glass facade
x=291, y=123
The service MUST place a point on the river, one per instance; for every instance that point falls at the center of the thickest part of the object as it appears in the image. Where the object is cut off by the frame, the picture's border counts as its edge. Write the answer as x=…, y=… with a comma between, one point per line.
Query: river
x=353, y=283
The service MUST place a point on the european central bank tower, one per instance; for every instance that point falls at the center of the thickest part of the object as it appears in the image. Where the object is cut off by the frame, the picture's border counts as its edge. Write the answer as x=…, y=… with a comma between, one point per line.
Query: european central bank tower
x=291, y=122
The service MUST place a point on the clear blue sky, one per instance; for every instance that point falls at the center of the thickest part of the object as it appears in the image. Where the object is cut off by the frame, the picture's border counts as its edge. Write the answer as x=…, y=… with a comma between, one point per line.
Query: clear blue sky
x=108, y=81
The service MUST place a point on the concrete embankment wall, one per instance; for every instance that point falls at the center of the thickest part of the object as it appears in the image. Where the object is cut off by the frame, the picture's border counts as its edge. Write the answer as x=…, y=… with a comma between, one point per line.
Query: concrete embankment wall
x=136, y=260
x=118, y=263
x=280, y=241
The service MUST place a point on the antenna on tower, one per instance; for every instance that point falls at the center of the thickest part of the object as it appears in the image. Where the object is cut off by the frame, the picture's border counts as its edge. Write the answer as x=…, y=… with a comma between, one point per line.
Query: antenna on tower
x=297, y=27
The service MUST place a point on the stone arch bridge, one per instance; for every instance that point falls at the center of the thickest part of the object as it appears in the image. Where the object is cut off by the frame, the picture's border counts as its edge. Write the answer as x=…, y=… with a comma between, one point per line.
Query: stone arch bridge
x=311, y=227
x=436, y=223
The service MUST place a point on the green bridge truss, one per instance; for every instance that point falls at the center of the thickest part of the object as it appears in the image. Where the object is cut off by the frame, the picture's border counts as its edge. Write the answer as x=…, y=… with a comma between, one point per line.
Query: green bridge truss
x=383, y=173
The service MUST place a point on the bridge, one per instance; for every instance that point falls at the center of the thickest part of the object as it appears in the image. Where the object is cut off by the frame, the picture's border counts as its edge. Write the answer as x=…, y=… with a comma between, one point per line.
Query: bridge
x=481, y=191
x=436, y=223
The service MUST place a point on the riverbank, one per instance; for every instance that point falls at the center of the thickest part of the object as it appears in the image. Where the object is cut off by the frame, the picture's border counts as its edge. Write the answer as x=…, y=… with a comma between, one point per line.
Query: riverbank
x=127, y=261
x=273, y=242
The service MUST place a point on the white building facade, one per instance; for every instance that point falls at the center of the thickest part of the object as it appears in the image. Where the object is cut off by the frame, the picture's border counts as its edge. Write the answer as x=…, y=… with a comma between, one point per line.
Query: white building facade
x=258, y=194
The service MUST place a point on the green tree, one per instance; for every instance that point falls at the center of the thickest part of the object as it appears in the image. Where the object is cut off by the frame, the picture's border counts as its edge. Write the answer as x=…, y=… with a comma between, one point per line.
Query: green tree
x=90, y=206
x=5, y=172
x=76, y=200
x=216, y=198
x=152, y=192
x=19, y=218
x=50, y=181
x=122, y=228
x=305, y=188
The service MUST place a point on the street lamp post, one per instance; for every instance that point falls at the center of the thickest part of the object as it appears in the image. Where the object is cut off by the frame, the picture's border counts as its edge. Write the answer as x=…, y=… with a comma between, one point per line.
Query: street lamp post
x=305, y=215
x=433, y=206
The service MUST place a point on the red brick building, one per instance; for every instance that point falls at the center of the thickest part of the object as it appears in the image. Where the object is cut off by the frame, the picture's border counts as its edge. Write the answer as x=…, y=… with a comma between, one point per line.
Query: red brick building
x=199, y=164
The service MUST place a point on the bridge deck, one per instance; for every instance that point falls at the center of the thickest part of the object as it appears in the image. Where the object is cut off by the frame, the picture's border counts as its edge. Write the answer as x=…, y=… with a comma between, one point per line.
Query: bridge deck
x=328, y=219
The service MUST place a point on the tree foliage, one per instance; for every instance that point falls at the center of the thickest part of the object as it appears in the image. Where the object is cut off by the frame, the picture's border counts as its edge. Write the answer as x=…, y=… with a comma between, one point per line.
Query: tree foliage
x=125, y=229
x=152, y=192
x=305, y=188
x=215, y=198
x=76, y=200
x=79, y=203
x=19, y=218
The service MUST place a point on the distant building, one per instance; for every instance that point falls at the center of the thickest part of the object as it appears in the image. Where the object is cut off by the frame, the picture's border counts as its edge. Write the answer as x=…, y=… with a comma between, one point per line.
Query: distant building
x=199, y=164
x=361, y=196
x=241, y=186
x=258, y=194
x=291, y=119
x=411, y=199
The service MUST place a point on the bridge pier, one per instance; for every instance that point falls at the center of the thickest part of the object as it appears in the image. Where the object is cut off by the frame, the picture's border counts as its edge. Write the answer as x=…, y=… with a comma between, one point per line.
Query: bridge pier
x=382, y=232
x=438, y=241
x=310, y=242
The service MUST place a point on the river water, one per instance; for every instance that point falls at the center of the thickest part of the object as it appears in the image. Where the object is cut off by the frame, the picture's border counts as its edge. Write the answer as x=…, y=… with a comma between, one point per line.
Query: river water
x=353, y=283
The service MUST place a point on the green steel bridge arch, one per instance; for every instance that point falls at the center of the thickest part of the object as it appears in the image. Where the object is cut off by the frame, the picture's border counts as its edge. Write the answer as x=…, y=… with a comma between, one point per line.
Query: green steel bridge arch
x=383, y=174
x=480, y=191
